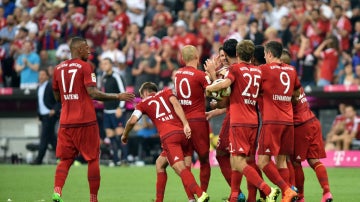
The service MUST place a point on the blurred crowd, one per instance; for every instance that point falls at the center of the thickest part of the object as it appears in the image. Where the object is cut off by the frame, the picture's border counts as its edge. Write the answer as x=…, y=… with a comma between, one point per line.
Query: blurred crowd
x=142, y=37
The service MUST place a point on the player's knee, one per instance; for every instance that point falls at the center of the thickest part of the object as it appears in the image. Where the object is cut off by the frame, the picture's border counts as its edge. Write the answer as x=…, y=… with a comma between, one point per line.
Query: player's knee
x=312, y=162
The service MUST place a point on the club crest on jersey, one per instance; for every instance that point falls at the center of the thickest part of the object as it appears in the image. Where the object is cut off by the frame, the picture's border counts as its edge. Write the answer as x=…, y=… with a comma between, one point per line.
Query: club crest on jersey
x=93, y=77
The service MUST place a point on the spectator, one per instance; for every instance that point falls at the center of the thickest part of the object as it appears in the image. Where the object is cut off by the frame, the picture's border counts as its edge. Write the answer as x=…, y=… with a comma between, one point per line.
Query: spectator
x=2, y=18
x=63, y=51
x=337, y=128
x=92, y=28
x=341, y=27
x=122, y=21
x=276, y=13
x=328, y=51
x=168, y=63
x=153, y=41
x=50, y=30
x=20, y=38
x=146, y=67
x=27, y=65
x=315, y=27
x=284, y=32
x=306, y=62
x=45, y=61
x=136, y=11
x=8, y=6
x=349, y=76
x=355, y=43
x=343, y=140
x=27, y=22
x=71, y=22
x=254, y=34
x=17, y=15
x=357, y=74
x=115, y=55
x=48, y=112
x=271, y=34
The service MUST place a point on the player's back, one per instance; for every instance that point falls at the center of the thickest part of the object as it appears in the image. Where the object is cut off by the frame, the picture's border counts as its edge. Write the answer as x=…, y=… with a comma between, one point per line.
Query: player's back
x=161, y=112
x=71, y=78
x=245, y=89
x=301, y=110
x=190, y=84
x=278, y=83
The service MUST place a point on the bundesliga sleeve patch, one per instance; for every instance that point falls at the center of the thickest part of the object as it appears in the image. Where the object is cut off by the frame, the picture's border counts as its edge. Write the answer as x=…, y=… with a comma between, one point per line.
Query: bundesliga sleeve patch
x=93, y=77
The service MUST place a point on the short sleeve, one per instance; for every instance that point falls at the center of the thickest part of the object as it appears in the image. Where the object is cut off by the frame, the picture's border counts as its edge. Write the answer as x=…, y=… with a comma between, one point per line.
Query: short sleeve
x=230, y=75
x=89, y=75
x=202, y=78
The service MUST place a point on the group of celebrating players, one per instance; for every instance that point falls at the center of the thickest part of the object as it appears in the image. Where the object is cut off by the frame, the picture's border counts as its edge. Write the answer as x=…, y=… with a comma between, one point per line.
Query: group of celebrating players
x=266, y=112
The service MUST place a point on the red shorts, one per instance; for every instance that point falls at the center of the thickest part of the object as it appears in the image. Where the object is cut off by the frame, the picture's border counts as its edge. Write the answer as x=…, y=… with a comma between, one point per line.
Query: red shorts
x=84, y=140
x=200, y=139
x=308, y=141
x=223, y=141
x=276, y=139
x=242, y=140
x=176, y=147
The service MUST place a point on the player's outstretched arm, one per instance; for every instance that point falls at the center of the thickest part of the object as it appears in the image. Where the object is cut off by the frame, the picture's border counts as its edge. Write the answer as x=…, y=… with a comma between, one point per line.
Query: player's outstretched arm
x=218, y=86
x=99, y=95
x=180, y=113
x=214, y=112
x=128, y=127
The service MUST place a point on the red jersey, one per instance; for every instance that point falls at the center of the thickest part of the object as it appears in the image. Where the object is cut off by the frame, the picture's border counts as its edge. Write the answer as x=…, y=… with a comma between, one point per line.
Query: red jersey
x=190, y=84
x=122, y=23
x=344, y=24
x=278, y=83
x=302, y=112
x=161, y=112
x=245, y=80
x=49, y=42
x=329, y=64
x=315, y=38
x=188, y=39
x=71, y=78
x=339, y=118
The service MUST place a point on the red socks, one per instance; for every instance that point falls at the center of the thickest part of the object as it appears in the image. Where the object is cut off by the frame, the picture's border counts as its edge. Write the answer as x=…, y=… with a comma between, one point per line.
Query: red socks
x=253, y=177
x=204, y=175
x=61, y=173
x=272, y=173
x=189, y=182
x=285, y=174
x=322, y=176
x=236, y=177
x=225, y=167
x=291, y=173
x=94, y=179
x=299, y=180
x=160, y=186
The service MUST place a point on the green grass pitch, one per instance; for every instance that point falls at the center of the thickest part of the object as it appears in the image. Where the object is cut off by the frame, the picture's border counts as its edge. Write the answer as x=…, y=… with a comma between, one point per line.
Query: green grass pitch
x=23, y=183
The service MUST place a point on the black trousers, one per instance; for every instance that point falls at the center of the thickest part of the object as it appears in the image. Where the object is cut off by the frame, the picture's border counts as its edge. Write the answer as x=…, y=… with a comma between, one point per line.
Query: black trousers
x=47, y=136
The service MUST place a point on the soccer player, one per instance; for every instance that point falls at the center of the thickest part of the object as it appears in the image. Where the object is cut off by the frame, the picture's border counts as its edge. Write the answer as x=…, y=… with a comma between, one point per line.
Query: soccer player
x=278, y=84
x=227, y=56
x=165, y=111
x=74, y=83
x=309, y=146
x=309, y=143
x=190, y=84
x=245, y=81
